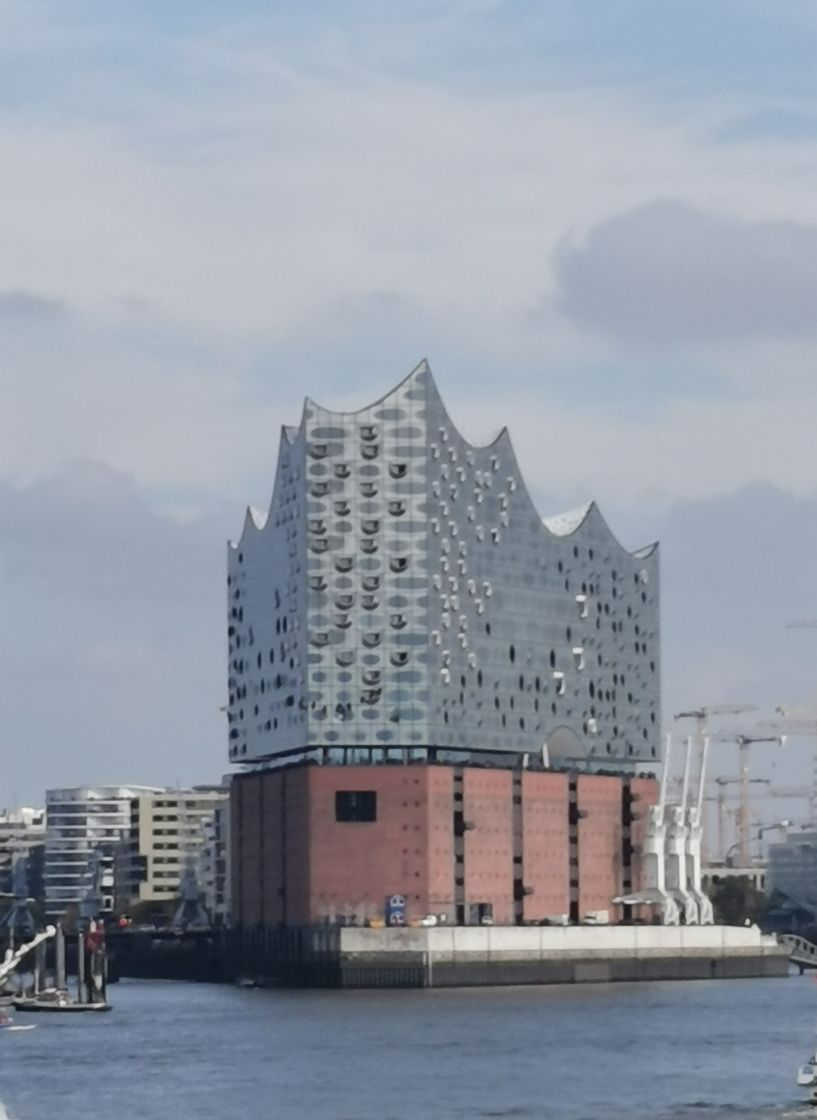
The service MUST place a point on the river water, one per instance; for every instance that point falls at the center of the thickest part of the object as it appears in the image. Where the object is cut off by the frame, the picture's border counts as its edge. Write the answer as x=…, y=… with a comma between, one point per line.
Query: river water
x=714, y=1050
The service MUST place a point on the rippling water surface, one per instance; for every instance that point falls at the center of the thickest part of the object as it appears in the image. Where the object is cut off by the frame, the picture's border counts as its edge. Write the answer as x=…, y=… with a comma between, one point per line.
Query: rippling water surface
x=720, y=1050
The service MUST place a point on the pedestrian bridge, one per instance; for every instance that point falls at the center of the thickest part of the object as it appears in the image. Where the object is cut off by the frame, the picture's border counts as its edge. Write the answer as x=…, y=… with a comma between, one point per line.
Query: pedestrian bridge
x=802, y=952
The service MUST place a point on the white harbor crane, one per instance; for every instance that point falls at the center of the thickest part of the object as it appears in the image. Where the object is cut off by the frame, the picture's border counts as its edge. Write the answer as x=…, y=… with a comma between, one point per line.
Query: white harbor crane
x=654, y=890
x=676, y=848
x=16, y=956
x=702, y=716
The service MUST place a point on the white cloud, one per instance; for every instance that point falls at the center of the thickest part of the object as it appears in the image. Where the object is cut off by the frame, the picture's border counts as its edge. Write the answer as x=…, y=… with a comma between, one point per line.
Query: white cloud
x=667, y=272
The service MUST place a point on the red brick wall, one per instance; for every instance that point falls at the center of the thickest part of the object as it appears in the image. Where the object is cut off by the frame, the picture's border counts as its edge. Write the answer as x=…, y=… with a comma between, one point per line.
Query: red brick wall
x=545, y=845
x=645, y=793
x=247, y=855
x=294, y=863
x=271, y=903
x=440, y=800
x=355, y=866
x=297, y=796
x=599, y=798
x=487, y=805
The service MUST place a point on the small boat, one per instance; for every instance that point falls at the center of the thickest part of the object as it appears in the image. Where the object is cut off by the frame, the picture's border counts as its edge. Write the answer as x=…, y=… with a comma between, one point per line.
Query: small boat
x=807, y=1078
x=807, y=1073
x=62, y=1002
x=8, y=1024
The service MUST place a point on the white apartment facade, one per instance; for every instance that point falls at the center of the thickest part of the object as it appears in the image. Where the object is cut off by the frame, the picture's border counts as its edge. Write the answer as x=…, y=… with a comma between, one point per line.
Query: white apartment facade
x=84, y=824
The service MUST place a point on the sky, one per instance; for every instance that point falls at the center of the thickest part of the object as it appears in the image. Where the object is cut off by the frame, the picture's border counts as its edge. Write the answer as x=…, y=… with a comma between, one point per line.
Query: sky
x=597, y=221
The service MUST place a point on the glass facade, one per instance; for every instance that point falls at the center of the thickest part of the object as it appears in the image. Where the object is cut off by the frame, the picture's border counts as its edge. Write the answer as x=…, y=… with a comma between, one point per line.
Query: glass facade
x=403, y=598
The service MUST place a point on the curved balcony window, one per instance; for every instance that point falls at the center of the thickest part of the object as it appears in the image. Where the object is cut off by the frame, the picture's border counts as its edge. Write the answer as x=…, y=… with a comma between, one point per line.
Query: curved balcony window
x=345, y=657
x=397, y=621
x=370, y=583
x=370, y=696
x=344, y=563
x=317, y=583
x=398, y=470
x=319, y=712
x=399, y=657
x=319, y=450
x=317, y=525
x=370, y=450
x=371, y=677
x=344, y=602
x=319, y=489
x=342, y=470
x=370, y=525
x=318, y=638
x=319, y=544
x=368, y=432
x=371, y=639
x=342, y=508
x=369, y=546
x=368, y=489
x=342, y=621
x=343, y=711
x=369, y=602
x=397, y=509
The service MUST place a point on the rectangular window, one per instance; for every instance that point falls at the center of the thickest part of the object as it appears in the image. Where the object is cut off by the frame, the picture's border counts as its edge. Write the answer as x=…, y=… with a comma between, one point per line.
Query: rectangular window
x=355, y=805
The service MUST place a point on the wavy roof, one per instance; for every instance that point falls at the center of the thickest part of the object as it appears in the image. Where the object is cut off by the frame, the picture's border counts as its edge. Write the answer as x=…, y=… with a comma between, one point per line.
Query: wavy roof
x=558, y=525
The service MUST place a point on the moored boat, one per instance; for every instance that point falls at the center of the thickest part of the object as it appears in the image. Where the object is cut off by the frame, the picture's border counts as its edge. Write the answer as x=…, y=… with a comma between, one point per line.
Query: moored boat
x=57, y=1001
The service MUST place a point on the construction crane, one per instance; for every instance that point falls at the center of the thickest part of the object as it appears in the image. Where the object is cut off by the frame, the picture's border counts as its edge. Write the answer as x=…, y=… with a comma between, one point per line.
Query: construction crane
x=799, y=722
x=702, y=716
x=720, y=801
x=743, y=818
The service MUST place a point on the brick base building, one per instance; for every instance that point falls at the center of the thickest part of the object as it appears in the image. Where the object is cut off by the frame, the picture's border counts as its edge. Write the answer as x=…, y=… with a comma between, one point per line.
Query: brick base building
x=327, y=844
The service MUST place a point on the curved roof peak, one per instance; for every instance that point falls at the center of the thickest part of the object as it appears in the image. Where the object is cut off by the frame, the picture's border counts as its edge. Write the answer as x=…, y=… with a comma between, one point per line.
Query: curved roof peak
x=421, y=372
x=255, y=517
x=563, y=524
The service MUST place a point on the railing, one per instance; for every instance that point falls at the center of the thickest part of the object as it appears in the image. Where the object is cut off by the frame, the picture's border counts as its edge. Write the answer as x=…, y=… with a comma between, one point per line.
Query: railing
x=801, y=951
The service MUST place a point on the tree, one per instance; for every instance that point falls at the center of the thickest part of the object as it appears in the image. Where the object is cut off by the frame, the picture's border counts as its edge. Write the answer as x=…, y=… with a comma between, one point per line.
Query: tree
x=736, y=901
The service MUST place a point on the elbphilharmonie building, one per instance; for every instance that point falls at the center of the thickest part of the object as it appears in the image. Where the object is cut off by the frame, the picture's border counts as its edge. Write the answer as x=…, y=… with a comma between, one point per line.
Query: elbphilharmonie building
x=404, y=599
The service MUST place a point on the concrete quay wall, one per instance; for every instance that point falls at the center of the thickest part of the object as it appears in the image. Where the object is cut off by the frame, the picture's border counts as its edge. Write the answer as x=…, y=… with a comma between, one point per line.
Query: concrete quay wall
x=444, y=957
x=450, y=956
x=509, y=942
